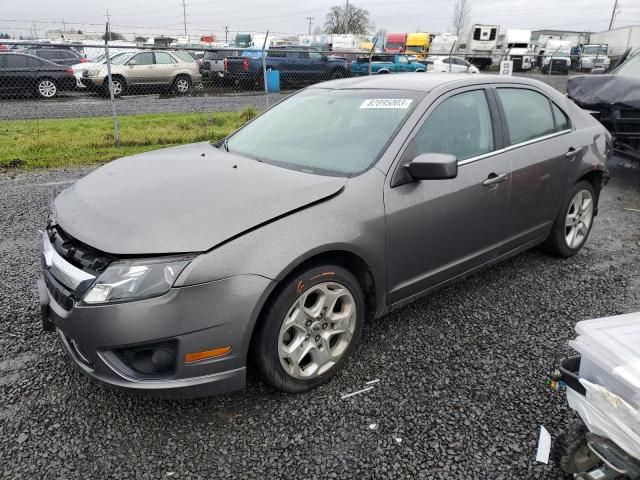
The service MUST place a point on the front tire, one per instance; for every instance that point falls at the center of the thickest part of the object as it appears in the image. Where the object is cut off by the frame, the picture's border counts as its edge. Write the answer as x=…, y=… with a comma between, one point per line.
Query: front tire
x=46, y=88
x=574, y=222
x=310, y=329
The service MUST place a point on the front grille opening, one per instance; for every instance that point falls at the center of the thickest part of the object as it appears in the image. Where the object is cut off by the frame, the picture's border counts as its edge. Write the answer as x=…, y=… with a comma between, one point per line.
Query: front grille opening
x=77, y=253
x=157, y=360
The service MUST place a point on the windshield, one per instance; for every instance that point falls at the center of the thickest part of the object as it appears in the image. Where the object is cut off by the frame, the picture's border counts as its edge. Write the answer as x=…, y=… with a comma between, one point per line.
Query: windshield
x=395, y=46
x=630, y=68
x=98, y=59
x=122, y=59
x=332, y=132
x=595, y=50
x=252, y=53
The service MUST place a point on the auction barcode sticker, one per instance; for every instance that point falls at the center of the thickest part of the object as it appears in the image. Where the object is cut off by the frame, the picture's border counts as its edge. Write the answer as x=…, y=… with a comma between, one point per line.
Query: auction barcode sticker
x=402, y=103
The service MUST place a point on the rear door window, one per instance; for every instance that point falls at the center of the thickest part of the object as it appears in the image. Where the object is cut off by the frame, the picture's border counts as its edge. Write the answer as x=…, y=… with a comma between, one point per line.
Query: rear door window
x=460, y=126
x=163, y=58
x=528, y=114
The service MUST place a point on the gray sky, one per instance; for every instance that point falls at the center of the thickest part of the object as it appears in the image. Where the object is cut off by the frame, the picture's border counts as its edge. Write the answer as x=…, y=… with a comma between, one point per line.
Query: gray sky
x=287, y=16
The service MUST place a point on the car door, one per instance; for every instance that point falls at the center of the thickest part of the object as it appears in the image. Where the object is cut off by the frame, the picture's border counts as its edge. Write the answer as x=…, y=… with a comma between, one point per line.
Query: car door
x=164, y=68
x=140, y=69
x=16, y=76
x=437, y=230
x=403, y=63
x=538, y=146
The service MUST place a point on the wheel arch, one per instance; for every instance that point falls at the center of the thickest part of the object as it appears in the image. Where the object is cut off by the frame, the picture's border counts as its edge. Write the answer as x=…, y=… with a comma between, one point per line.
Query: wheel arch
x=346, y=259
x=594, y=177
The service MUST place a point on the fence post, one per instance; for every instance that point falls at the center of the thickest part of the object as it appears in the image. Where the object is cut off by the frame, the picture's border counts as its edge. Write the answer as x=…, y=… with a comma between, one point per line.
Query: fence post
x=373, y=47
x=116, y=128
x=264, y=63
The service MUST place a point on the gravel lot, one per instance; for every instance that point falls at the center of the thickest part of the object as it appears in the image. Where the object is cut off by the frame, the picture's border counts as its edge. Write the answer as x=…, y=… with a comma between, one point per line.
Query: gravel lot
x=462, y=374
x=74, y=105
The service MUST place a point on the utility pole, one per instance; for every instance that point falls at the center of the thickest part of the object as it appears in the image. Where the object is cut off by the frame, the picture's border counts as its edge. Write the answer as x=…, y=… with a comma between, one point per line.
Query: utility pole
x=613, y=14
x=226, y=35
x=107, y=37
x=184, y=15
x=310, y=21
x=346, y=18
x=64, y=26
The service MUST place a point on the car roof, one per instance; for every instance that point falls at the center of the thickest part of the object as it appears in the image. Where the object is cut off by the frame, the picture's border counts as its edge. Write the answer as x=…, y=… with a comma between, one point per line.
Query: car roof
x=424, y=82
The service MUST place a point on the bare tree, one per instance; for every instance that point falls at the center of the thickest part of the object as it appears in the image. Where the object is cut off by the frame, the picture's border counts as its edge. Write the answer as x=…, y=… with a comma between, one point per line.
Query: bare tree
x=347, y=19
x=460, y=18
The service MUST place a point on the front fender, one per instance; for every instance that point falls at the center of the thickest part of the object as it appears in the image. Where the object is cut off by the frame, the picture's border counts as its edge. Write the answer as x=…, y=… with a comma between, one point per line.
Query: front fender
x=352, y=221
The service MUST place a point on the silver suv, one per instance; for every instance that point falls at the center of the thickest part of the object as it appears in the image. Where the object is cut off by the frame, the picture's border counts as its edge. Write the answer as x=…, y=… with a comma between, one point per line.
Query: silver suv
x=146, y=70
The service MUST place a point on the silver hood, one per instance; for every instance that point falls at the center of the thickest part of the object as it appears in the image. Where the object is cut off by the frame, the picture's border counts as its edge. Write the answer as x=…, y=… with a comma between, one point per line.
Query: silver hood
x=182, y=199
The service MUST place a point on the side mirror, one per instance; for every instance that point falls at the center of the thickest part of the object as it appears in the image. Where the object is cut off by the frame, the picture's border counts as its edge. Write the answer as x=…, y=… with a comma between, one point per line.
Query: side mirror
x=598, y=70
x=433, y=166
x=132, y=63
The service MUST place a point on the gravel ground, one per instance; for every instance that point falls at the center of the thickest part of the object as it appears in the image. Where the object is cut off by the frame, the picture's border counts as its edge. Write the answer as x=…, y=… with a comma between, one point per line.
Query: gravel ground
x=80, y=104
x=462, y=374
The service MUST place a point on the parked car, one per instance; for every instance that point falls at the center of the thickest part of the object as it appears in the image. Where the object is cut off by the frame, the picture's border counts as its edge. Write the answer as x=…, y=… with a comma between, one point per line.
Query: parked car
x=614, y=99
x=79, y=68
x=297, y=66
x=452, y=65
x=149, y=69
x=213, y=63
x=381, y=64
x=167, y=272
x=21, y=73
x=59, y=56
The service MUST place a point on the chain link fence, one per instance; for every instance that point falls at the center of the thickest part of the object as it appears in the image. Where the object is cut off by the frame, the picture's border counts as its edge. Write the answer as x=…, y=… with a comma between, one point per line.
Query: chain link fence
x=141, y=98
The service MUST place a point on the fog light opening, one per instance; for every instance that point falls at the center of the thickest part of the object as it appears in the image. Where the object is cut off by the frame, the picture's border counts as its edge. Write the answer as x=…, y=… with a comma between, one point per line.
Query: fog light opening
x=155, y=360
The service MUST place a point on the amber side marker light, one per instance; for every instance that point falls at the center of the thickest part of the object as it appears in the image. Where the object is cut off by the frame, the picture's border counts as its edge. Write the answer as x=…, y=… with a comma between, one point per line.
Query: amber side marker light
x=207, y=354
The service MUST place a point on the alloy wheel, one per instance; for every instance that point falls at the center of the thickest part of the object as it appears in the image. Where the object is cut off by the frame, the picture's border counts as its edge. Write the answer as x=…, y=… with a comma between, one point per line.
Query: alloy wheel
x=117, y=87
x=182, y=85
x=317, y=330
x=579, y=218
x=47, y=89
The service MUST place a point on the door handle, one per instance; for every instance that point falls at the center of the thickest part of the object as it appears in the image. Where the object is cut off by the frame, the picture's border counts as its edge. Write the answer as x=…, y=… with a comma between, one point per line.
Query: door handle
x=494, y=179
x=572, y=152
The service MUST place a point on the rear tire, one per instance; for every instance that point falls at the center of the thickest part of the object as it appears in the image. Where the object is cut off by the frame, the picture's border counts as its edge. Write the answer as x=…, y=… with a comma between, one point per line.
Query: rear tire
x=182, y=85
x=337, y=74
x=573, y=225
x=46, y=88
x=303, y=341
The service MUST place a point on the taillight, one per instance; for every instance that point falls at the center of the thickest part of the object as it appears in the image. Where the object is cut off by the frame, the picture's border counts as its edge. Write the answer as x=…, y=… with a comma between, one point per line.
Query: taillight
x=245, y=64
x=226, y=63
x=84, y=59
x=70, y=71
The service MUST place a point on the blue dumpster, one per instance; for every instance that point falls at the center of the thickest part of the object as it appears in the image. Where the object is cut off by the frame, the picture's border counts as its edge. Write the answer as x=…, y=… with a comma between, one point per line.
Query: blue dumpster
x=273, y=81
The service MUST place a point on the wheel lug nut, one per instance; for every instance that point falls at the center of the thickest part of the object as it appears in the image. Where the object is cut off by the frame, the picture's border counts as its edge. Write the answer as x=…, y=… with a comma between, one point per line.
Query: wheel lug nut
x=308, y=324
x=325, y=325
x=317, y=338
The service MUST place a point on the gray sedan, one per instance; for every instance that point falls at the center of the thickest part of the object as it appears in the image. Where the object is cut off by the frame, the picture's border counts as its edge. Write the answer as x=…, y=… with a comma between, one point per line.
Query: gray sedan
x=171, y=271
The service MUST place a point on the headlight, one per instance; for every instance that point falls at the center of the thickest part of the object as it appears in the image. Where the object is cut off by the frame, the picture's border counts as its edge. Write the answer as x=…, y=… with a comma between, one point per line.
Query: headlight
x=568, y=62
x=136, y=280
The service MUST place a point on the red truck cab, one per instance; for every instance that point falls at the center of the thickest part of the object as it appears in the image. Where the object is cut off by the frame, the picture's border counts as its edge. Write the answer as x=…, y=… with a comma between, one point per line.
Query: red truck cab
x=396, y=43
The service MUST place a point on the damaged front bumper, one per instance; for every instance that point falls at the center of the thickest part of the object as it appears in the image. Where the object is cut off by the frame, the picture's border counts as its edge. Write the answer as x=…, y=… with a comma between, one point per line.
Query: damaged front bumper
x=148, y=345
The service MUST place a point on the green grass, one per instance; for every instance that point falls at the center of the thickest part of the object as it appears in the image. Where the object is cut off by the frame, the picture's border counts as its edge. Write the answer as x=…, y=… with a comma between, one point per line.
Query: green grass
x=69, y=142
